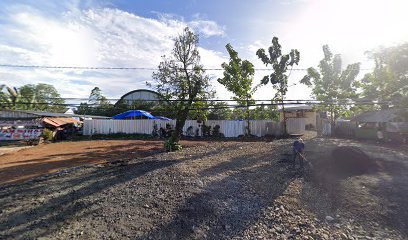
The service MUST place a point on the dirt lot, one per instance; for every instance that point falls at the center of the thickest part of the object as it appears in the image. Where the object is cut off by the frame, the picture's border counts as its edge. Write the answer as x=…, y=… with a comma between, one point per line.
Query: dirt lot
x=21, y=163
x=223, y=190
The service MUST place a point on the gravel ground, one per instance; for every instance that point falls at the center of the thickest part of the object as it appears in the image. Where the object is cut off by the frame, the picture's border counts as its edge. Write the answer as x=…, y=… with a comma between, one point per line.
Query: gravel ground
x=226, y=190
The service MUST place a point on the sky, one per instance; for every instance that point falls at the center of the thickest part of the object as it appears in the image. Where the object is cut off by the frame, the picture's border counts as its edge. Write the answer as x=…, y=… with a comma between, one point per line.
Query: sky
x=122, y=33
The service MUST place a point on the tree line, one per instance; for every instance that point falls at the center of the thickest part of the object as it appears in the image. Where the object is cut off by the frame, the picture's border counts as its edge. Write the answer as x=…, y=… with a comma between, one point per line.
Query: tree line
x=41, y=97
x=181, y=76
x=99, y=105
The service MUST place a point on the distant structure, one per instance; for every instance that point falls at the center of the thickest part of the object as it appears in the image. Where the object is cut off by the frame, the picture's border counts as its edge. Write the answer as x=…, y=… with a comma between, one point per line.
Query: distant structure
x=303, y=111
x=140, y=94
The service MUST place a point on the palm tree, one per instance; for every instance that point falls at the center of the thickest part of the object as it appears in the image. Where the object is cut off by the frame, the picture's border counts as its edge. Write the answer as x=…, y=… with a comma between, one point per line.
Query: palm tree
x=10, y=98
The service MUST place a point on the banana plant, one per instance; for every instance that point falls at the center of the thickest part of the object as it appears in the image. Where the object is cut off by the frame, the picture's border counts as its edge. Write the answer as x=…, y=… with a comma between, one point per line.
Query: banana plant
x=10, y=98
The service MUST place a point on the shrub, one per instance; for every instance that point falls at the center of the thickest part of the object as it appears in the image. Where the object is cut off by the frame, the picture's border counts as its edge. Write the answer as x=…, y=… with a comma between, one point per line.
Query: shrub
x=216, y=131
x=170, y=146
x=47, y=134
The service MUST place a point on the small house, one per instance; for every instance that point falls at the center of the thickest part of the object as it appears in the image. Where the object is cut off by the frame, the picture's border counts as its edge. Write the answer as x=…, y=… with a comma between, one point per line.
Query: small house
x=300, y=112
x=389, y=121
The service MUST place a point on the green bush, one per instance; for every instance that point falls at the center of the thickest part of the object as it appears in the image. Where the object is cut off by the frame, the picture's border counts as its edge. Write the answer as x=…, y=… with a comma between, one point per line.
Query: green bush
x=171, y=146
x=47, y=134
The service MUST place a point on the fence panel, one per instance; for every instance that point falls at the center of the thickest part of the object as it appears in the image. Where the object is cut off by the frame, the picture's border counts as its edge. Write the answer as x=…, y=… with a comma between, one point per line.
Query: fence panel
x=345, y=128
x=296, y=125
x=258, y=127
x=274, y=128
x=229, y=128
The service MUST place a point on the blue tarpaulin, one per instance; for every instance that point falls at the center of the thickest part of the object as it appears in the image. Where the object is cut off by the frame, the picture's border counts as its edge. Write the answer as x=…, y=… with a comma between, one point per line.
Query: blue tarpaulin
x=162, y=118
x=133, y=114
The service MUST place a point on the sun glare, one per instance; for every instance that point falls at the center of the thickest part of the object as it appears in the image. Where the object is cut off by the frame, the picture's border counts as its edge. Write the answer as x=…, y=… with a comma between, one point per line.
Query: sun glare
x=363, y=23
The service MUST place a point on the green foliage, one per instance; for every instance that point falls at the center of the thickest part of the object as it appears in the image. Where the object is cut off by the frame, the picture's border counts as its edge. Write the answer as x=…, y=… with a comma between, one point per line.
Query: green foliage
x=47, y=134
x=97, y=98
x=182, y=77
x=41, y=97
x=103, y=107
x=97, y=105
x=219, y=111
x=216, y=131
x=199, y=110
x=280, y=63
x=265, y=112
x=171, y=146
x=238, y=77
x=9, y=98
x=388, y=83
x=332, y=85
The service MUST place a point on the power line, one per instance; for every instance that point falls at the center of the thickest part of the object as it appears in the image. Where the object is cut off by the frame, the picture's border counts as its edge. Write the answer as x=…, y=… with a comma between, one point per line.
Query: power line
x=86, y=100
x=296, y=102
x=136, y=68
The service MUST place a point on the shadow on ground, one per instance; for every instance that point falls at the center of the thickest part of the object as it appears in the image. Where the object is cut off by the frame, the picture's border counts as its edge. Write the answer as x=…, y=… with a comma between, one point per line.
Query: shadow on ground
x=375, y=199
x=234, y=195
x=47, y=216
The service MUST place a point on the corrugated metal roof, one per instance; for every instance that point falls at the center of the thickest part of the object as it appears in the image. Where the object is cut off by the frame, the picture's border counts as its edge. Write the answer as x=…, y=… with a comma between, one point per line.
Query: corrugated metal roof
x=296, y=108
x=386, y=115
x=56, y=122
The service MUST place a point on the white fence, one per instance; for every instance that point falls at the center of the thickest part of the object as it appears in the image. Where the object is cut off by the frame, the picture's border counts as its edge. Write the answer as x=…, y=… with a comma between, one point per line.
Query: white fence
x=229, y=128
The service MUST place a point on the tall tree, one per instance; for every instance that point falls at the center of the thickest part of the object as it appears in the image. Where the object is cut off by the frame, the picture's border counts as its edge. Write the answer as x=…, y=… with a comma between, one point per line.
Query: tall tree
x=96, y=97
x=10, y=97
x=181, y=77
x=280, y=64
x=388, y=82
x=99, y=105
x=332, y=85
x=238, y=77
x=42, y=97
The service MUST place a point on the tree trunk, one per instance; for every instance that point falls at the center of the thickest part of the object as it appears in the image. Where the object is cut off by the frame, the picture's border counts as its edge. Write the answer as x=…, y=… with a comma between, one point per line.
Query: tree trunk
x=248, y=132
x=285, y=131
x=332, y=120
x=180, y=121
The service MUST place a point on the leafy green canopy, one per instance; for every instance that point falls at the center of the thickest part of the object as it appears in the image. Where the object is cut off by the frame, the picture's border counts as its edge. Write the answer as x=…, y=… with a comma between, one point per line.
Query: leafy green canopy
x=332, y=85
x=42, y=97
x=182, y=77
x=388, y=83
x=238, y=77
x=280, y=64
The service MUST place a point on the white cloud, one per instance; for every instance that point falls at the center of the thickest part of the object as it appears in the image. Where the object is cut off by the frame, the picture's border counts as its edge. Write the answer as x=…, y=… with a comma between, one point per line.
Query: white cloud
x=102, y=37
x=207, y=28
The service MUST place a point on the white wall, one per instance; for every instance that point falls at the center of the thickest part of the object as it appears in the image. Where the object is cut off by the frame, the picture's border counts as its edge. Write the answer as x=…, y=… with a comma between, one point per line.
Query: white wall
x=229, y=128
